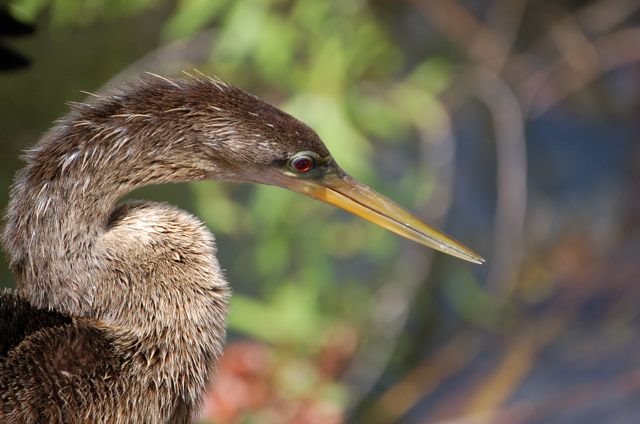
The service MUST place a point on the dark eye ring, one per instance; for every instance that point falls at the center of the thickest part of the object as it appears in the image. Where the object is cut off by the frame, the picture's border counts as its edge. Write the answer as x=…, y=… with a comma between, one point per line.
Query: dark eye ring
x=302, y=163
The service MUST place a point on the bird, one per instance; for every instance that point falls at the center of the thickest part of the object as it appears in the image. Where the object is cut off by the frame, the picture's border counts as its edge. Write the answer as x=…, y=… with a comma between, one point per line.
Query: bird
x=120, y=307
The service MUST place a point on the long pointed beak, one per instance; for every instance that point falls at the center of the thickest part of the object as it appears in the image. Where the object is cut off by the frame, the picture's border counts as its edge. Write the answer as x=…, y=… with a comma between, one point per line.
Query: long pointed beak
x=345, y=192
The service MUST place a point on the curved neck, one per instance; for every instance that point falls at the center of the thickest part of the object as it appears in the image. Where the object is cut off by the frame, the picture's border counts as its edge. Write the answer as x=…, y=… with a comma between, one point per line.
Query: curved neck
x=63, y=200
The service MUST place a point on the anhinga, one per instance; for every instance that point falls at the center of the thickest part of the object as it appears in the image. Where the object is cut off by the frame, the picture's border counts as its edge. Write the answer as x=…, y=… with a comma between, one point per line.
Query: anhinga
x=120, y=310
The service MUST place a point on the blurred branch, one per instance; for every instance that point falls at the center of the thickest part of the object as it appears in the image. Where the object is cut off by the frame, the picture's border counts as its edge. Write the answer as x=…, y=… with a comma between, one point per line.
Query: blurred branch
x=573, y=397
x=594, y=18
x=581, y=59
x=508, y=124
x=530, y=411
x=504, y=18
x=396, y=401
x=518, y=359
x=394, y=298
x=481, y=43
x=548, y=87
x=480, y=400
x=601, y=16
x=541, y=87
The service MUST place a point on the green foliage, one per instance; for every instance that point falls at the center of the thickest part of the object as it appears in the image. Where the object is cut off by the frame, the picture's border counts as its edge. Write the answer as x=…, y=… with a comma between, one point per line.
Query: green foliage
x=474, y=304
x=191, y=16
x=78, y=13
x=27, y=10
x=289, y=317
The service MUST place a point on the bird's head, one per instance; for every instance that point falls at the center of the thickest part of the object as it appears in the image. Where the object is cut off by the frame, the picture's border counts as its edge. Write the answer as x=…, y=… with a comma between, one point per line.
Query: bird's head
x=257, y=142
x=243, y=138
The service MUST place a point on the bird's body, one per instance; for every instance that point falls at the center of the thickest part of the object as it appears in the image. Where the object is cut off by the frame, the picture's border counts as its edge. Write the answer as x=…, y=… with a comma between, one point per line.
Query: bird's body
x=120, y=310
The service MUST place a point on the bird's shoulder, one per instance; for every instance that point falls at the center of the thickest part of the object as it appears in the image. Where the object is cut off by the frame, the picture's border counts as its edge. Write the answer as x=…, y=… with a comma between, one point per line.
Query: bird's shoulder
x=50, y=339
x=19, y=319
x=49, y=359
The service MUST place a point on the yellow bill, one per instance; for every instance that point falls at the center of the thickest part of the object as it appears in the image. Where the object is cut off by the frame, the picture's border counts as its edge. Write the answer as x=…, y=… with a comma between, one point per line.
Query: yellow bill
x=343, y=191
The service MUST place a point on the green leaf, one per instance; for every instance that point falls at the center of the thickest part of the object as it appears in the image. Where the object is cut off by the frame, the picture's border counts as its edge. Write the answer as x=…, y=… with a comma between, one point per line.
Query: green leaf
x=472, y=302
x=27, y=10
x=241, y=30
x=217, y=209
x=191, y=16
x=290, y=317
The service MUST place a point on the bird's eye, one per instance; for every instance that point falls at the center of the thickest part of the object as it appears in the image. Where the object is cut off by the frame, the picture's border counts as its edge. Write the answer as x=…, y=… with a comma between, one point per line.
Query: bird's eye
x=302, y=163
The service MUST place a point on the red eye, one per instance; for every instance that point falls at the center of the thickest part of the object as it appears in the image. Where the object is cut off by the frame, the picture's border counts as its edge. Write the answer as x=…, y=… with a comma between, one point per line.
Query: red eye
x=302, y=163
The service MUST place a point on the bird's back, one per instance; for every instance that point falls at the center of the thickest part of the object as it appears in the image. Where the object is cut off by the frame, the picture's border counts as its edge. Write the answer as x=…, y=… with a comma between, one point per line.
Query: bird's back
x=47, y=360
x=19, y=320
x=57, y=369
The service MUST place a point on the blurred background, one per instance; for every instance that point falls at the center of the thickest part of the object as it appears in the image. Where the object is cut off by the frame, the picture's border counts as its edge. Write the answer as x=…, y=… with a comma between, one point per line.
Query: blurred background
x=512, y=124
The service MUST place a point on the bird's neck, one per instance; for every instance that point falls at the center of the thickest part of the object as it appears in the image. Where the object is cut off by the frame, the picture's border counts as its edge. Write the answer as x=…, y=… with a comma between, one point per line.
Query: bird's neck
x=63, y=201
